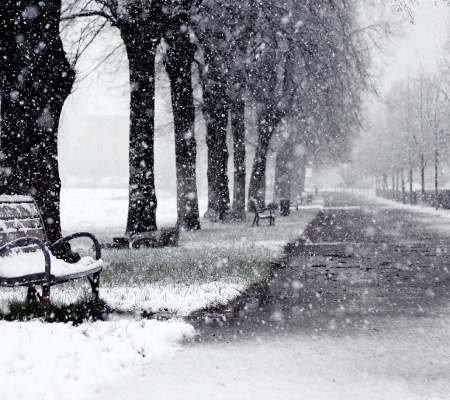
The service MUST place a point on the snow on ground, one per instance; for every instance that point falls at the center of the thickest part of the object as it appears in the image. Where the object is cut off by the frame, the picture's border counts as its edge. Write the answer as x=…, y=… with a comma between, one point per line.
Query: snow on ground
x=107, y=208
x=400, y=359
x=59, y=361
x=437, y=220
x=405, y=358
x=176, y=300
x=423, y=209
x=209, y=268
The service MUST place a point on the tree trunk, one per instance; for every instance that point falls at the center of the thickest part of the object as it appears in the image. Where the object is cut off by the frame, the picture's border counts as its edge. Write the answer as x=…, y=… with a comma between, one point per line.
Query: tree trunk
x=403, y=187
x=142, y=197
x=180, y=55
x=37, y=82
x=217, y=173
x=396, y=187
x=298, y=175
x=215, y=109
x=436, y=172
x=422, y=173
x=238, y=130
x=283, y=172
x=257, y=189
x=411, y=199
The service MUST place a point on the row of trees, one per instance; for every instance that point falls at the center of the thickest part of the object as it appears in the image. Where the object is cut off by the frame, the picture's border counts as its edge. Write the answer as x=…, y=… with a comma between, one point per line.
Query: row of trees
x=410, y=131
x=303, y=61
x=301, y=66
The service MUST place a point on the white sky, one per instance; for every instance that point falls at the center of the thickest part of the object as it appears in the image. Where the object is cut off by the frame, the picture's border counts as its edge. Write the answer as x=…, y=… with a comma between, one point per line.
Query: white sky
x=423, y=42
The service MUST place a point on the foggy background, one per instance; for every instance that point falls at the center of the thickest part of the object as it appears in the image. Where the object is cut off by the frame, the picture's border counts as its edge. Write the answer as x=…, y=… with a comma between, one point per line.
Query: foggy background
x=94, y=130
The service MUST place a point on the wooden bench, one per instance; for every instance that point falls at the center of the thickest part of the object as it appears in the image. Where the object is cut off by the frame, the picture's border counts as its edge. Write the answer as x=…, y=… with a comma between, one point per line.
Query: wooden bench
x=21, y=264
x=265, y=213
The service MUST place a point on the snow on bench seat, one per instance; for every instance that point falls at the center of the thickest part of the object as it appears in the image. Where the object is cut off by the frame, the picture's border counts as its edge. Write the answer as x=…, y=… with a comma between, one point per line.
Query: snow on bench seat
x=26, y=256
x=27, y=263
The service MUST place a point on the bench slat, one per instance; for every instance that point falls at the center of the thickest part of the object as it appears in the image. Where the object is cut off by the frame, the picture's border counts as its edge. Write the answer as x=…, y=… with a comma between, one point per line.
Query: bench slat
x=25, y=280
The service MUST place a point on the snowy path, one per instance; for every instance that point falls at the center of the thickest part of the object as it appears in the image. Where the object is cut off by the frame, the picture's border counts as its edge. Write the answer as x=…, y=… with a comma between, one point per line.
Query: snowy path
x=365, y=316
x=407, y=359
x=361, y=313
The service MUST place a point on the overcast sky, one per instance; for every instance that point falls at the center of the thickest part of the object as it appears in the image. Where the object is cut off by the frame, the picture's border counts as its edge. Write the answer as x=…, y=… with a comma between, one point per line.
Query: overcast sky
x=423, y=41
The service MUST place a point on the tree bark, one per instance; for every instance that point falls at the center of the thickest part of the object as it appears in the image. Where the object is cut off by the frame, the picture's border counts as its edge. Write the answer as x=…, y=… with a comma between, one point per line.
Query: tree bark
x=238, y=130
x=299, y=175
x=422, y=173
x=411, y=200
x=266, y=125
x=142, y=196
x=396, y=187
x=403, y=187
x=283, y=172
x=216, y=105
x=180, y=55
x=436, y=172
x=37, y=81
x=216, y=140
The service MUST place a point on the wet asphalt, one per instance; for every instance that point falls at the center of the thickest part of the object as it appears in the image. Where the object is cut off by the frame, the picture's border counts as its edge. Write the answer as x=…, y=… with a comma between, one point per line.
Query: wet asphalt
x=362, y=265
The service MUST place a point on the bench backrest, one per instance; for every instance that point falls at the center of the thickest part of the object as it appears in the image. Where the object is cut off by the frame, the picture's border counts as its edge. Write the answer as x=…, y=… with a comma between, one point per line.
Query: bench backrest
x=19, y=217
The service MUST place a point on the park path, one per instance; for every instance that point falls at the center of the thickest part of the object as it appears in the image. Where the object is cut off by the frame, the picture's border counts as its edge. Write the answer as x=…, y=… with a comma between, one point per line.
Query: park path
x=359, y=311
x=361, y=262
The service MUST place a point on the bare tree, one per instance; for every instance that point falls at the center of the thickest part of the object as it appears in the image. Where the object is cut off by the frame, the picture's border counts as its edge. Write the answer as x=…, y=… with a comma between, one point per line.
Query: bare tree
x=142, y=24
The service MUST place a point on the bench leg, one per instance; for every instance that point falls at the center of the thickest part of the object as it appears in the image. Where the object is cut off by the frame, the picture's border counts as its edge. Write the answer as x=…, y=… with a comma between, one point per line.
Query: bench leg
x=95, y=285
x=31, y=295
x=44, y=299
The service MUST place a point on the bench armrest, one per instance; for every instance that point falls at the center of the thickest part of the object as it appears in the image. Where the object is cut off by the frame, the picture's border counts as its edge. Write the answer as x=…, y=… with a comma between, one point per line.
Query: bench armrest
x=27, y=241
x=66, y=239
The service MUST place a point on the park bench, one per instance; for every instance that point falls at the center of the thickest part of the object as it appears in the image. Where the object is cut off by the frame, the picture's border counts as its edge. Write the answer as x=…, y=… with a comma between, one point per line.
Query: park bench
x=262, y=213
x=21, y=264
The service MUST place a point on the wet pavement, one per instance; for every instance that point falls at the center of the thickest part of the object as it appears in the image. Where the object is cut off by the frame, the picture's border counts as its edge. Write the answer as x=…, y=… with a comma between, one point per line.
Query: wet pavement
x=362, y=266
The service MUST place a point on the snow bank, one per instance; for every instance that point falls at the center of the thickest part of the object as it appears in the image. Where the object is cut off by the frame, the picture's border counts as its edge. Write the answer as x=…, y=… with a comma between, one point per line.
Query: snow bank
x=59, y=361
x=174, y=299
x=414, y=208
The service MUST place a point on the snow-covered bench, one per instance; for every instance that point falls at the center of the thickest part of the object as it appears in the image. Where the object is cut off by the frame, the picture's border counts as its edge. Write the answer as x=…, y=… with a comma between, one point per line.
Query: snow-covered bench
x=262, y=213
x=22, y=264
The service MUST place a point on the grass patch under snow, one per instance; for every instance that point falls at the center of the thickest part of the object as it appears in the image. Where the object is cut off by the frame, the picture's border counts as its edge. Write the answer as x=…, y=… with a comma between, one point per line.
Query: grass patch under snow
x=210, y=267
